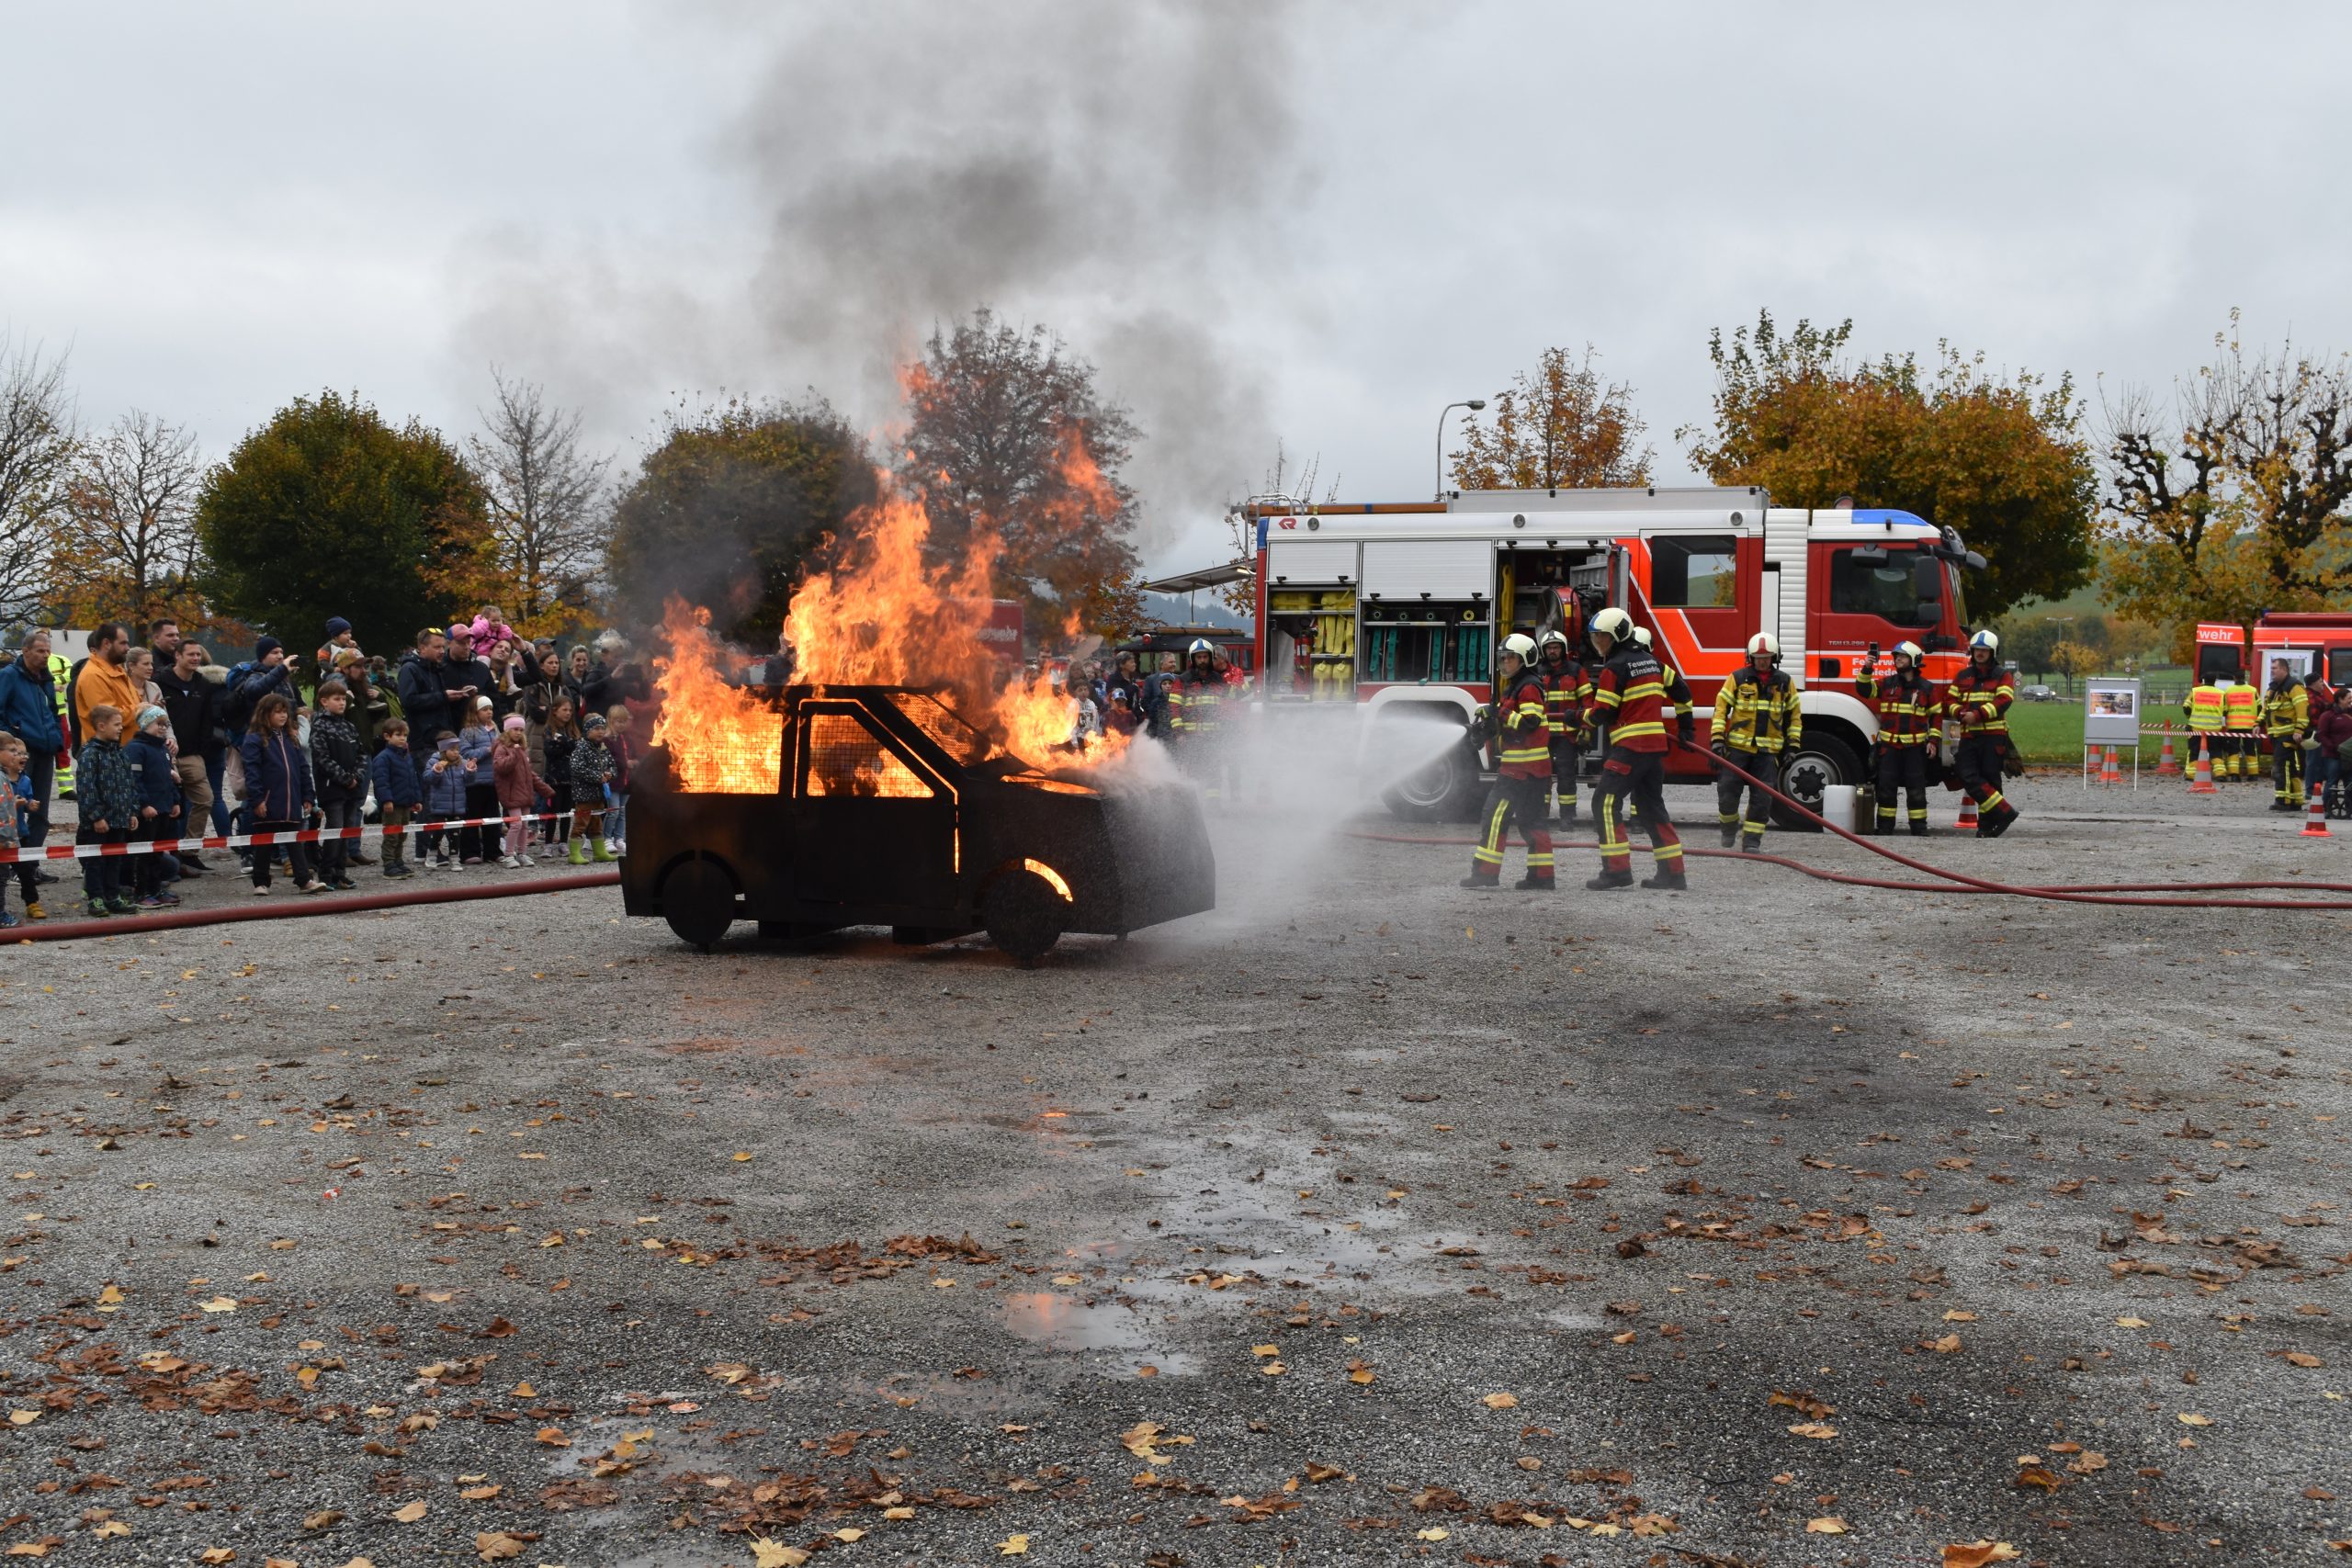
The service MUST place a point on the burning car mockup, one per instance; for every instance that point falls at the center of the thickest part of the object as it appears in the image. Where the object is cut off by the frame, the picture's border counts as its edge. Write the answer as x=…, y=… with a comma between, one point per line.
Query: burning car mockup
x=814, y=807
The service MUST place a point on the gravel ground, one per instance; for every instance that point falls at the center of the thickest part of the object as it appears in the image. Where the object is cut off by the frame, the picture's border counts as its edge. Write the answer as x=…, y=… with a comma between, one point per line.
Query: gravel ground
x=1366, y=1220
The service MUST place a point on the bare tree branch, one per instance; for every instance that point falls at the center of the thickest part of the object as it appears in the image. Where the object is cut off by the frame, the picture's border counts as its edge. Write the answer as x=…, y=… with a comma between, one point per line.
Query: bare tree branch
x=128, y=544
x=550, y=509
x=38, y=440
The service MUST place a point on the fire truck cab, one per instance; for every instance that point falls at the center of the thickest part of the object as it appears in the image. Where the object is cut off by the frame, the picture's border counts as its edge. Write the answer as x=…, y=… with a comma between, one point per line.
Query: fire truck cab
x=1398, y=609
x=2316, y=645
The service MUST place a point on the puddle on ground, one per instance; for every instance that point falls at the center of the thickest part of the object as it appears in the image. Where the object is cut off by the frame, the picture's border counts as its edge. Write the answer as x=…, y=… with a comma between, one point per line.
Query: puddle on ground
x=1106, y=1338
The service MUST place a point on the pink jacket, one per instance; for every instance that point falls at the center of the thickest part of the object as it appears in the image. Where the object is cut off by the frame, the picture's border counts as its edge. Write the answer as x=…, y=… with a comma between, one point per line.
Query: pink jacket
x=518, y=786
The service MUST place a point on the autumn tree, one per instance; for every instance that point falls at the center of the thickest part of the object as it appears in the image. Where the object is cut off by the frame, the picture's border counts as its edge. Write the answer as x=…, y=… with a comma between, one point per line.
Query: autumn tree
x=2230, y=500
x=1009, y=439
x=1559, y=428
x=547, y=507
x=725, y=510
x=126, y=548
x=2071, y=659
x=328, y=509
x=38, y=441
x=2003, y=460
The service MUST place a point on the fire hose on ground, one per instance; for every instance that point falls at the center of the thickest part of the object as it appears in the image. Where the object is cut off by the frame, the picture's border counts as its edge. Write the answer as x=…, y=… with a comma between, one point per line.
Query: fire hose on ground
x=177, y=920
x=2126, y=892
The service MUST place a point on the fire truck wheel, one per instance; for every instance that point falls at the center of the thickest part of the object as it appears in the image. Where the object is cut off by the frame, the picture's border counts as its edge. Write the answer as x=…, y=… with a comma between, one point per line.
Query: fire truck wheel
x=698, y=900
x=1820, y=761
x=1445, y=790
x=1024, y=915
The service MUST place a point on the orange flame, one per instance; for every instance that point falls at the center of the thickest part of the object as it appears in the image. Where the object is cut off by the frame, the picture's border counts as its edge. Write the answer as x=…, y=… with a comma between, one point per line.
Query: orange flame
x=884, y=616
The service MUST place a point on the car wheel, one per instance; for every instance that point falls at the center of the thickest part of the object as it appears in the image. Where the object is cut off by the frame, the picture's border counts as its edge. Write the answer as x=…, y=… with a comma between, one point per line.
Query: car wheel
x=1820, y=761
x=1444, y=790
x=1024, y=915
x=698, y=901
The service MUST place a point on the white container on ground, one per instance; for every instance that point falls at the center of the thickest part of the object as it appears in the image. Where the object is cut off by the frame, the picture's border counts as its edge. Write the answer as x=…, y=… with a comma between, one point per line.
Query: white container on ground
x=1838, y=806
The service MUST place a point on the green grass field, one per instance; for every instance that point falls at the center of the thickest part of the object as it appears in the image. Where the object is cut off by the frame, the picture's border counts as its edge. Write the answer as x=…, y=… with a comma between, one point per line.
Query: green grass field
x=2050, y=734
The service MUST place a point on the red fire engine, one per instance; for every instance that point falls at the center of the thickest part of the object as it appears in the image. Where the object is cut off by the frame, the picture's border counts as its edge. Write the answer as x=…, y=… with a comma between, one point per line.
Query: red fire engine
x=1396, y=608
x=2317, y=646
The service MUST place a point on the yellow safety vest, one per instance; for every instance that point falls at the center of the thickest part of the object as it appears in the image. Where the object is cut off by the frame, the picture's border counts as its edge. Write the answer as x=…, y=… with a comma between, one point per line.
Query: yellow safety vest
x=2242, y=705
x=2205, y=709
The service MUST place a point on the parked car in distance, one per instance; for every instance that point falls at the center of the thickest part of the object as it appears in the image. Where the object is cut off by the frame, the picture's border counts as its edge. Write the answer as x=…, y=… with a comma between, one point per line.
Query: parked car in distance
x=2038, y=694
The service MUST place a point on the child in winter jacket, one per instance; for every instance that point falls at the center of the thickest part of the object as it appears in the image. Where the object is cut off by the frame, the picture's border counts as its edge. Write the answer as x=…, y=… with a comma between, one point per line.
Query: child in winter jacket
x=159, y=808
x=445, y=778
x=592, y=771
x=339, y=762
x=15, y=822
x=393, y=772
x=278, y=789
x=476, y=739
x=562, y=736
x=106, y=795
x=519, y=789
x=617, y=724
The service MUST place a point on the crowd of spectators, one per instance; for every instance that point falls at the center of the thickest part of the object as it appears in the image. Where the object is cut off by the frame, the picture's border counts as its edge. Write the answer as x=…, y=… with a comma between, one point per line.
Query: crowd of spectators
x=474, y=724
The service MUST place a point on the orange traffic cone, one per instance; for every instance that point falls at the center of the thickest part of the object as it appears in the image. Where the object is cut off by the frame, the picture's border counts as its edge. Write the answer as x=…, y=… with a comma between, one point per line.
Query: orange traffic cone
x=2167, y=765
x=2316, y=817
x=2108, y=772
x=2204, y=783
x=1967, y=809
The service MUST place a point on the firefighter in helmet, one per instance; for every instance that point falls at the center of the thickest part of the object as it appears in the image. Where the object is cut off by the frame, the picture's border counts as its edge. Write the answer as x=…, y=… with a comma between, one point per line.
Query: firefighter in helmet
x=1523, y=747
x=1909, y=733
x=1757, y=723
x=1566, y=688
x=1630, y=693
x=1195, y=706
x=2285, y=719
x=1978, y=698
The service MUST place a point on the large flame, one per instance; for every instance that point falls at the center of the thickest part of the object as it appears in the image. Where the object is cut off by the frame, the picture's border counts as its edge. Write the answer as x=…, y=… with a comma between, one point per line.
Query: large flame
x=886, y=616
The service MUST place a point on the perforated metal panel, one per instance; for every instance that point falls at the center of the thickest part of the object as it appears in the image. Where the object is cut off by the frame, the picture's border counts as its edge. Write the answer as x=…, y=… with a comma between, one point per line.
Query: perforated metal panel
x=845, y=758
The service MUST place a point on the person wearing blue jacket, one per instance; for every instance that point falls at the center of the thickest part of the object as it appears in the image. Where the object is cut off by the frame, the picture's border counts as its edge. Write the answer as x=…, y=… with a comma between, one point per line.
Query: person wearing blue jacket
x=477, y=739
x=393, y=772
x=278, y=789
x=28, y=711
x=445, y=777
x=157, y=775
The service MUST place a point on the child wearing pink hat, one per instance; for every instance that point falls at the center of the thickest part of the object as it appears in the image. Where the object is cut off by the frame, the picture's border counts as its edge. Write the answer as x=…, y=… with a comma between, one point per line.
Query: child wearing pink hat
x=519, y=789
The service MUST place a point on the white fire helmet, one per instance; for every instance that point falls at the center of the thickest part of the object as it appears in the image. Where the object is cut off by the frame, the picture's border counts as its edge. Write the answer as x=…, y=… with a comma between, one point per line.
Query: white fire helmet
x=1201, y=645
x=1985, y=640
x=1613, y=623
x=1641, y=636
x=1912, y=651
x=1521, y=647
x=1764, y=642
x=1552, y=639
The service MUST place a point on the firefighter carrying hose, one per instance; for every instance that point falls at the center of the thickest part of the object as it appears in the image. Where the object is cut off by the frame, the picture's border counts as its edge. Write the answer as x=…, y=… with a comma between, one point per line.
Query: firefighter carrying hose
x=1908, y=732
x=1758, y=722
x=1980, y=697
x=1567, y=688
x=1630, y=694
x=1523, y=748
x=2285, y=719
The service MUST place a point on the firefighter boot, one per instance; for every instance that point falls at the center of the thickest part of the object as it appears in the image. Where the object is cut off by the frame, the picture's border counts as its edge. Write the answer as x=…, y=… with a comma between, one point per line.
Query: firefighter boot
x=1567, y=814
x=1751, y=843
x=1534, y=883
x=1608, y=881
x=1665, y=881
x=1999, y=823
x=1730, y=831
x=603, y=851
x=1481, y=879
x=1918, y=827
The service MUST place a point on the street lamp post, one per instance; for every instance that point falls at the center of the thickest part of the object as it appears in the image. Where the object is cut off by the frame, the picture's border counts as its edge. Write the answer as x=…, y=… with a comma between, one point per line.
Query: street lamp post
x=1473, y=405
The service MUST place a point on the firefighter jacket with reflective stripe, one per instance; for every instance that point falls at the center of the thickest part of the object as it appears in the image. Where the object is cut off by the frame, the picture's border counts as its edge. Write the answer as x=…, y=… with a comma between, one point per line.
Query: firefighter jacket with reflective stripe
x=1980, y=699
x=2241, y=706
x=1905, y=703
x=2204, y=705
x=1565, y=690
x=1195, y=704
x=1523, y=734
x=1632, y=694
x=1758, y=712
x=2286, y=711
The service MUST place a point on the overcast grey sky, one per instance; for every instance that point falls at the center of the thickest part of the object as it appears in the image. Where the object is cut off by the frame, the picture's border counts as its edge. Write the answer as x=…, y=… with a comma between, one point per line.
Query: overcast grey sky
x=1313, y=222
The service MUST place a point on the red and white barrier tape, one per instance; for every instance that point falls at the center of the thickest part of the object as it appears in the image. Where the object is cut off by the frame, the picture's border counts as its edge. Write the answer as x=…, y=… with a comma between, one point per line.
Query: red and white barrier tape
x=244, y=840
